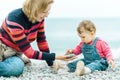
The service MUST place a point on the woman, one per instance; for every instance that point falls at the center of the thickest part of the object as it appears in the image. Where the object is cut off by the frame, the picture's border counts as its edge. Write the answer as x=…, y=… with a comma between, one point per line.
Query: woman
x=21, y=27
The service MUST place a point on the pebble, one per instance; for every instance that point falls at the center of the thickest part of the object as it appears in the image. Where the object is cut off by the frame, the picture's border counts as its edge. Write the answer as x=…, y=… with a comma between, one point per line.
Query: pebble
x=40, y=71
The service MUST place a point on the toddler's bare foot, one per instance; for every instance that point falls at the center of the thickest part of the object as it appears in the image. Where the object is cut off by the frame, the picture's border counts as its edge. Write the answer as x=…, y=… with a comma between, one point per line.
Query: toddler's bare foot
x=79, y=68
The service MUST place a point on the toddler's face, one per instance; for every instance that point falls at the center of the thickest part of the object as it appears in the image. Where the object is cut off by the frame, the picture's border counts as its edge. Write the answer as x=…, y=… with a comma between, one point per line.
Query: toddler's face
x=85, y=36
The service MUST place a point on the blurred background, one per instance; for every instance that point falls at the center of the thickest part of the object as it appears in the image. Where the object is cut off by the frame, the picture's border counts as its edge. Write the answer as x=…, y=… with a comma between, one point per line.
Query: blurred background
x=65, y=16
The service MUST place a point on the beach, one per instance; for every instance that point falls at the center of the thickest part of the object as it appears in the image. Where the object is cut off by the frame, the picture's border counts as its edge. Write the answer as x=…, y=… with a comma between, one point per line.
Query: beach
x=40, y=71
x=61, y=34
x=58, y=43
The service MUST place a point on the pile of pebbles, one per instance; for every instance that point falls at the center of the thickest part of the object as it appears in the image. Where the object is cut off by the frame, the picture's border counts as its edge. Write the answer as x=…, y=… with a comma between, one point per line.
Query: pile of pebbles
x=40, y=71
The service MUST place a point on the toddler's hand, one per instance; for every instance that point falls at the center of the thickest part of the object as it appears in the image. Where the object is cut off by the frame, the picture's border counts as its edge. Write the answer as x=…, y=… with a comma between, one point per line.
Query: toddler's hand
x=69, y=51
x=111, y=63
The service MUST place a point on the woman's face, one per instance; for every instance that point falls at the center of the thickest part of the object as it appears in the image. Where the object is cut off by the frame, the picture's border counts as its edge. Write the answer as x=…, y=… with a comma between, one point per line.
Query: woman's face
x=44, y=14
x=85, y=36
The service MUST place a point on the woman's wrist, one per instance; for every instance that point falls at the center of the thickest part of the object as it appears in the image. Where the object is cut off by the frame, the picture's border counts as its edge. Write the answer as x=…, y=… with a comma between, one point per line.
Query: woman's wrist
x=58, y=57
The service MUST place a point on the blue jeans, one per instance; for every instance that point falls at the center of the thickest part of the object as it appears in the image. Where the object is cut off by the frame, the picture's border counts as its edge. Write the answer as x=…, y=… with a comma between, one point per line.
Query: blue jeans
x=99, y=65
x=12, y=66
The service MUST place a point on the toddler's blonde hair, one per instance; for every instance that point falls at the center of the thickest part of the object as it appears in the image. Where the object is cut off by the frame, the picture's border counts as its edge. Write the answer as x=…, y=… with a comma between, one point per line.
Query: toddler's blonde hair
x=87, y=25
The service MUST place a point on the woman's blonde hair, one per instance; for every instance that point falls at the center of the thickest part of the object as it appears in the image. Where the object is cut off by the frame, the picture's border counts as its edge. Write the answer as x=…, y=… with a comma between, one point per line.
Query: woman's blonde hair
x=32, y=8
x=87, y=25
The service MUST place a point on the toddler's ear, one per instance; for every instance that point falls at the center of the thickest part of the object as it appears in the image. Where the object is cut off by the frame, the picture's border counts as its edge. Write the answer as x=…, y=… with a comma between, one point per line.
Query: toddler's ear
x=92, y=32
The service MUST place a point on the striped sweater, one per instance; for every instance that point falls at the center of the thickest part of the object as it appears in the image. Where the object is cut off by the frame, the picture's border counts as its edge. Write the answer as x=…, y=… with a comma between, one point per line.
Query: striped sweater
x=18, y=32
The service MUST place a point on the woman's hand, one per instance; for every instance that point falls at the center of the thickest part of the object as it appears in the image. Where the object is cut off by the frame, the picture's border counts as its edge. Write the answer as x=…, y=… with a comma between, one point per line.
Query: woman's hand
x=65, y=57
x=111, y=63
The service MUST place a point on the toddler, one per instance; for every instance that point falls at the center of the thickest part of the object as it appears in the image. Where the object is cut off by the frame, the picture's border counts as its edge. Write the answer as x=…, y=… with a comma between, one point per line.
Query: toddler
x=96, y=52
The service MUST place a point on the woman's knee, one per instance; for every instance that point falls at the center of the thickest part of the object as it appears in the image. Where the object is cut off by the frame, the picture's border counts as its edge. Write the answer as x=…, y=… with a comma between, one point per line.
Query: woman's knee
x=14, y=71
x=12, y=66
x=17, y=67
